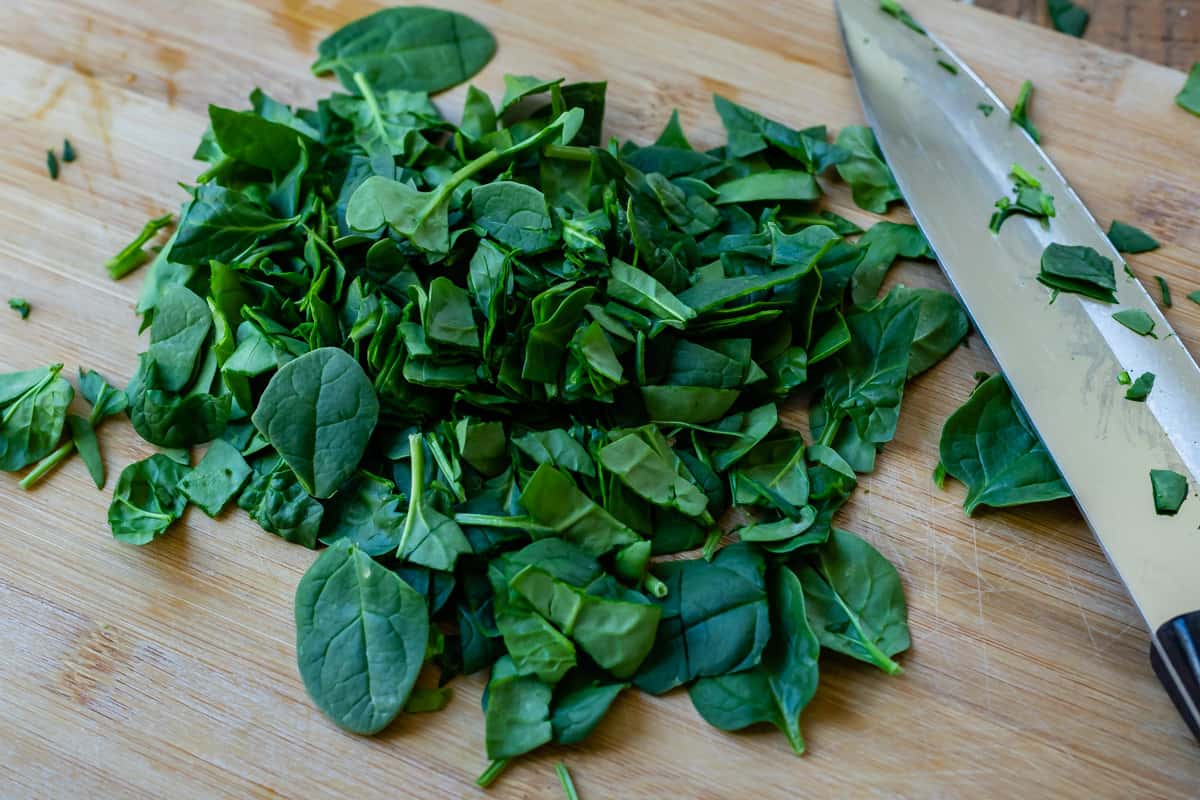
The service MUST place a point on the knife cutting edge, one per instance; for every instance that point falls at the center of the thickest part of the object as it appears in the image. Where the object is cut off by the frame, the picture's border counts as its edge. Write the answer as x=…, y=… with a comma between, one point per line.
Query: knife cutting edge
x=951, y=162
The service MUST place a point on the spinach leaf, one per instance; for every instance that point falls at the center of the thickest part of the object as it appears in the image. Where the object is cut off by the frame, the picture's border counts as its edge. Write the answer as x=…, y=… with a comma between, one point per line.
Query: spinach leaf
x=779, y=688
x=1129, y=239
x=990, y=445
x=1140, y=389
x=83, y=437
x=181, y=325
x=411, y=48
x=617, y=634
x=257, y=141
x=645, y=463
x=168, y=419
x=1164, y=290
x=219, y=476
x=941, y=325
x=517, y=714
x=865, y=382
x=318, y=412
x=514, y=214
x=557, y=448
x=1028, y=199
x=884, y=243
x=772, y=185
x=147, y=499
x=1068, y=18
x=1189, y=96
x=361, y=633
x=554, y=502
x=33, y=410
x=1078, y=269
x=1136, y=320
x=871, y=181
x=429, y=537
x=1170, y=490
x=280, y=505
x=855, y=602
x=714, y=619
x=220, y=224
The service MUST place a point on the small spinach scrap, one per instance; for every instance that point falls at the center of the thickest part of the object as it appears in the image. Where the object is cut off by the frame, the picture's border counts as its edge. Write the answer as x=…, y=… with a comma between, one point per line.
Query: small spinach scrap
x=495, y=370
x=1029, y=199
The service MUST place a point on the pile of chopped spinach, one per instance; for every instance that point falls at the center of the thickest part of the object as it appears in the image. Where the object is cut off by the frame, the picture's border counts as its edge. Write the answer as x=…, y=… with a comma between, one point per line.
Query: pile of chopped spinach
x=496, y=369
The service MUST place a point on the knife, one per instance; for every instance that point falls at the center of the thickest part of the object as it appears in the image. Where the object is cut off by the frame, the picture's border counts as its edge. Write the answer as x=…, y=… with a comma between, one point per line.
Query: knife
x=952, y=162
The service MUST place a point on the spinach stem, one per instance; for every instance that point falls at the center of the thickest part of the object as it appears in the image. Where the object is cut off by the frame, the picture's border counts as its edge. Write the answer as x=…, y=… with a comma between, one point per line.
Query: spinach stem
x=523, y=523
x=565, y=778
x=491, y=773
x=567, y=152
x=372, y=103
x=215, y=170
x=830, y=433
x=132, y=256
x=710, y=544
x=47, y=464
x=416, y=487
x=654, y=586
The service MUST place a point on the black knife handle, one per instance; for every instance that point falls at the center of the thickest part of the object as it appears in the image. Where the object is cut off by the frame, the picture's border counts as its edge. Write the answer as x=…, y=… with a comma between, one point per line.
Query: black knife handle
x=1175, y=655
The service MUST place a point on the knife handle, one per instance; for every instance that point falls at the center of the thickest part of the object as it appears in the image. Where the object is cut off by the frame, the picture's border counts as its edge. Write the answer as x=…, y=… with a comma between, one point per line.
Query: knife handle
x=1175, y=656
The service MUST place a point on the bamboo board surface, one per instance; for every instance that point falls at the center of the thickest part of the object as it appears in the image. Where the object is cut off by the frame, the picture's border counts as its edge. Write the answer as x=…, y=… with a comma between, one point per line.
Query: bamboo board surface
x=169, y=670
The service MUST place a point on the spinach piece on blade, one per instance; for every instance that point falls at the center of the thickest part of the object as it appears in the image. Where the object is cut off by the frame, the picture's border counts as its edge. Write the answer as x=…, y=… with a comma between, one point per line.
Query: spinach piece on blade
x=1028, y=200
x=1137, y=321
x=361, y=634
x=1020, y=112
x=1170, y=490
x=990, y=445
x=1078, y=269
x=1140, y=389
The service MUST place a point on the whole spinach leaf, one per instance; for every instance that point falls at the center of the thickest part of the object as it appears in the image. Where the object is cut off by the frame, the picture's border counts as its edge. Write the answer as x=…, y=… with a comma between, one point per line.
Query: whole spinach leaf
x=318, y=412
x=871, y=181
x=779, y=688
x=411, y=48
x=855, y=602
x=361, y=633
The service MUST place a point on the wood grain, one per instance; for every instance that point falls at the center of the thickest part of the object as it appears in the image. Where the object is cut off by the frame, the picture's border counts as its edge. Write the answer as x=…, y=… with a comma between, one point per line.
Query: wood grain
x=1163, y=31
x=168, y=670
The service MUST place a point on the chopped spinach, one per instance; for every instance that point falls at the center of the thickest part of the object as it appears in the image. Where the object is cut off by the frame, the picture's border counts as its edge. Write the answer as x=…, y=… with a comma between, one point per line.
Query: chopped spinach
x=1020, y=112
x=1170, y=490
x=19, y=305
x=1189, y=96
x=1078, y=269
x=52, y=164
x=493, y=370
x=1068, y=18
x=1136, y=320
x=896, y=10
x=1028, y=199
x=1139, y=390
x=1164, y=290
x=1129, y=239
x=68, y=151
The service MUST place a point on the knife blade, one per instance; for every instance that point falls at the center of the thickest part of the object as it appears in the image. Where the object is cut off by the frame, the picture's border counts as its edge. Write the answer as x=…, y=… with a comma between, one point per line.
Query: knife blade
x=952, y=162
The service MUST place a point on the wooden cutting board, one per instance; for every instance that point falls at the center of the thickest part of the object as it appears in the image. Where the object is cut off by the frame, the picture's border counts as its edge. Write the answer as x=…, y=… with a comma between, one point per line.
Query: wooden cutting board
x=168, y=670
